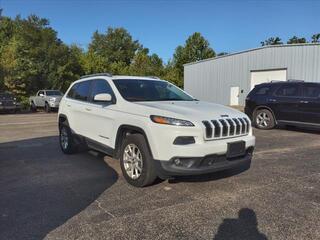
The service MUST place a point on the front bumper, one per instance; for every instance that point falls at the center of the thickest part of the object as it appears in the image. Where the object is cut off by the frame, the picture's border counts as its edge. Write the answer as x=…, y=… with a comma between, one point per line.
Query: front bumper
x=8, y=107
x=54, y=104
x=201, y=165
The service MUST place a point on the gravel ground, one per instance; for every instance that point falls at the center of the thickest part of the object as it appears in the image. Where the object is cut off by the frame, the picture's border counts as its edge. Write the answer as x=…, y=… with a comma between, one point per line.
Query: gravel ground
x=45, y=194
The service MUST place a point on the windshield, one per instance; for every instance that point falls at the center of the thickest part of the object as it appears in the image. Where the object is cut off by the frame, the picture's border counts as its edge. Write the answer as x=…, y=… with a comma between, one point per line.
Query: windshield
x=53, y=93
x=134, y=90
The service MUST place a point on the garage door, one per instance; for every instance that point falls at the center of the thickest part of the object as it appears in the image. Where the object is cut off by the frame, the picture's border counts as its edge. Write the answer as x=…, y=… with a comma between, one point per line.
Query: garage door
x=258, y=77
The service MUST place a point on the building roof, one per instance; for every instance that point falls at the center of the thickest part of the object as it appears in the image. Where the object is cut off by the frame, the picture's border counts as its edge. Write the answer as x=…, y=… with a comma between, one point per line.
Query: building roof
x=254, y=49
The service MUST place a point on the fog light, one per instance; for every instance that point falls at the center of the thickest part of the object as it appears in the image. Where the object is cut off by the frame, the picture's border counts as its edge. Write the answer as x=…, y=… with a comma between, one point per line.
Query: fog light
x=184, y=140
x=177, y=162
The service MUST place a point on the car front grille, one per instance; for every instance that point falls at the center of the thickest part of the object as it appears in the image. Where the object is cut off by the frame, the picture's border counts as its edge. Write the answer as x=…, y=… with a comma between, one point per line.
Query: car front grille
x=7, y=103
x=226, y=128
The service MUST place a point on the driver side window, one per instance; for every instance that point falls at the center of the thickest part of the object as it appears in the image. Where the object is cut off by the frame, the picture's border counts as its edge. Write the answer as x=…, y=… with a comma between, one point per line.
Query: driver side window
x=100, y=86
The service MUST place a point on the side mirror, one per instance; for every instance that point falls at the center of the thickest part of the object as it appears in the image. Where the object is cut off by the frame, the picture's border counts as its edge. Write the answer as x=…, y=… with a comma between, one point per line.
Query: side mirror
x=103, y=97
x=41, y=95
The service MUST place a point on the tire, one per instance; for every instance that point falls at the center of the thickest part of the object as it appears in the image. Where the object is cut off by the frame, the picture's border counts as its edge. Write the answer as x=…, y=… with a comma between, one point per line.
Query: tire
x=66, y=140
x=33, y=107
x=47, y=108
x=263, y=119
x=147, y=174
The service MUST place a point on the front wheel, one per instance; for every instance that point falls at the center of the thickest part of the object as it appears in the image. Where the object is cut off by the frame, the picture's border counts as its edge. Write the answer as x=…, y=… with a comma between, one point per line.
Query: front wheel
x=47, y=108
x=136, y=161
x=264, y=119
x=33, y=107
x=66, y=140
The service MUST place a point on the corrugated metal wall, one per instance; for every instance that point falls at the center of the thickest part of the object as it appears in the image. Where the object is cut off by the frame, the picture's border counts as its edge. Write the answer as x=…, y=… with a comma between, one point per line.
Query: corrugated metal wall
x=211, y=80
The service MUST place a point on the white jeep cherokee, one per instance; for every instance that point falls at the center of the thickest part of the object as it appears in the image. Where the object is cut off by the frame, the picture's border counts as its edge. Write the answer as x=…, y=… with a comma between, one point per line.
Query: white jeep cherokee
x=153, y=127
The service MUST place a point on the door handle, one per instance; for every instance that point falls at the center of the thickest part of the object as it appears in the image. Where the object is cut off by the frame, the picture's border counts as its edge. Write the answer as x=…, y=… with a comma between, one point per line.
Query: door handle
x=68, y=105
x=272, y=100
x=88, y=109
x=304, y=101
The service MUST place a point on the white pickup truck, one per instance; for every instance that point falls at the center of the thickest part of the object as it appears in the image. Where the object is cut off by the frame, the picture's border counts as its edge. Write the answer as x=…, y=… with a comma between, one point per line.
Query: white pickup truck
x=47, y=99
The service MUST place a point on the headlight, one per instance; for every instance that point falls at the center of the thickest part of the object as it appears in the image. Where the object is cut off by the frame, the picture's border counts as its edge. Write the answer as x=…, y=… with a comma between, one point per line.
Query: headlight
x=52, y=99
x=171, y=121
x=0, y=103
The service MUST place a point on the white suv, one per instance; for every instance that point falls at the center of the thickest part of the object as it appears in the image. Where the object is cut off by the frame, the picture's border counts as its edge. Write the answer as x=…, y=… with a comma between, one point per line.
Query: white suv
x=153, y=127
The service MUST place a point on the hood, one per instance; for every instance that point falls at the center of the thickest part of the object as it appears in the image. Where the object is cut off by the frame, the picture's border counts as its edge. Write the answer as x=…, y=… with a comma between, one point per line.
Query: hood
x=192, y=110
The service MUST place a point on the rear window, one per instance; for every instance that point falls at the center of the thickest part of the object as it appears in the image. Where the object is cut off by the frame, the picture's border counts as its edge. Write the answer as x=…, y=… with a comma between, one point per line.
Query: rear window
x=311, y=91
x=288, y=91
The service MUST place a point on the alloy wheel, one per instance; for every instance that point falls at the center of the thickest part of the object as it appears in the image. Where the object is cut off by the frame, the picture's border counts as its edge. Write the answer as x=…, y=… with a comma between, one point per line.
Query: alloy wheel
x=64, y=139
x=132, y=161
x=263, y=120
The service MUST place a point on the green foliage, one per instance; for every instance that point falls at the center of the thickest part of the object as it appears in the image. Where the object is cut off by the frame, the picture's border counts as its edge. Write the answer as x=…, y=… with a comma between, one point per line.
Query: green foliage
x=295, y=40
x=315, y=38
x=116, y=45
x=272, y=41
x=32, y=57
x=25, y=103
x=222, y=54
x=196, y=48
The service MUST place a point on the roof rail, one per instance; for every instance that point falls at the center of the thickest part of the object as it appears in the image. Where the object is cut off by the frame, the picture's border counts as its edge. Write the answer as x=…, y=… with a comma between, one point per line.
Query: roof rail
x=273, y=81
x=294, y=80
x=96, y=74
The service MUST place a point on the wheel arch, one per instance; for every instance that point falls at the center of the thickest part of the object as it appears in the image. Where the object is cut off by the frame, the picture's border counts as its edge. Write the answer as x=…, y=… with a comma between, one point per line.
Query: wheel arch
x=122, y=132
x=63, y=119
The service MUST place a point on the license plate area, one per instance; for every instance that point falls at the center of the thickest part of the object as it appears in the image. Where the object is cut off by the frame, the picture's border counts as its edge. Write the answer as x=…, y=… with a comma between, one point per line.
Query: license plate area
x=236, y=149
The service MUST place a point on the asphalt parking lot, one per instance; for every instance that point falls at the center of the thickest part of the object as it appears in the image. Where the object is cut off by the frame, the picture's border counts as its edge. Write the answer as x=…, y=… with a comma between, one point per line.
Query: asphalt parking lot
x=45, y=194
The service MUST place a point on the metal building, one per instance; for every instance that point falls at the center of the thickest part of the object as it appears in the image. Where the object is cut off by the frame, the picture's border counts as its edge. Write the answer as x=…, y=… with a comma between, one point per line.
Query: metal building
x=229, y=78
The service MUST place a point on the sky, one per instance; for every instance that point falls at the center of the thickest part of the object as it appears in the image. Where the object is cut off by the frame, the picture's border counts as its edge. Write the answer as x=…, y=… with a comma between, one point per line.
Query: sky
x=162, y=25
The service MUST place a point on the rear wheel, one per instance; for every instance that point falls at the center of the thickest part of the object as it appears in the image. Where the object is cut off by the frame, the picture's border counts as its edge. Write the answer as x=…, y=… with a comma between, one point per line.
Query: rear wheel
x=264, y=119
x=136, y=161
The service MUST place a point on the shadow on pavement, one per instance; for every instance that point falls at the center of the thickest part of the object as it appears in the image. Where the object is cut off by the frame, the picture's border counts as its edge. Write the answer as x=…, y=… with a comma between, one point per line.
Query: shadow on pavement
x=211, y=176
x=309, y=130
x=41, y=188
x=243, y=227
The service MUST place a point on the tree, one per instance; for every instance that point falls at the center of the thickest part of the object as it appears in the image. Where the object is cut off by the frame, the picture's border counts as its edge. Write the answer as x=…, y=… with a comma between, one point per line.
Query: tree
x=222, y=54
x=295, y=40
x=33, y=57
x=272, y=41
x=196, y=48
x=315, y=38
x=172, y=74
x=66, y=67
x=116, y=45
x=145, y=65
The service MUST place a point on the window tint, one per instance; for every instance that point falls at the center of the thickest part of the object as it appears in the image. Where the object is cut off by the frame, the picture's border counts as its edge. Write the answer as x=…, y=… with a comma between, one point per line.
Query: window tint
x=262, y=91
x=150, y=90
x=288, y=91
x=100, y=86
x=53, y=93
x=80, y=91
x=72, y=91
x=311, y=91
